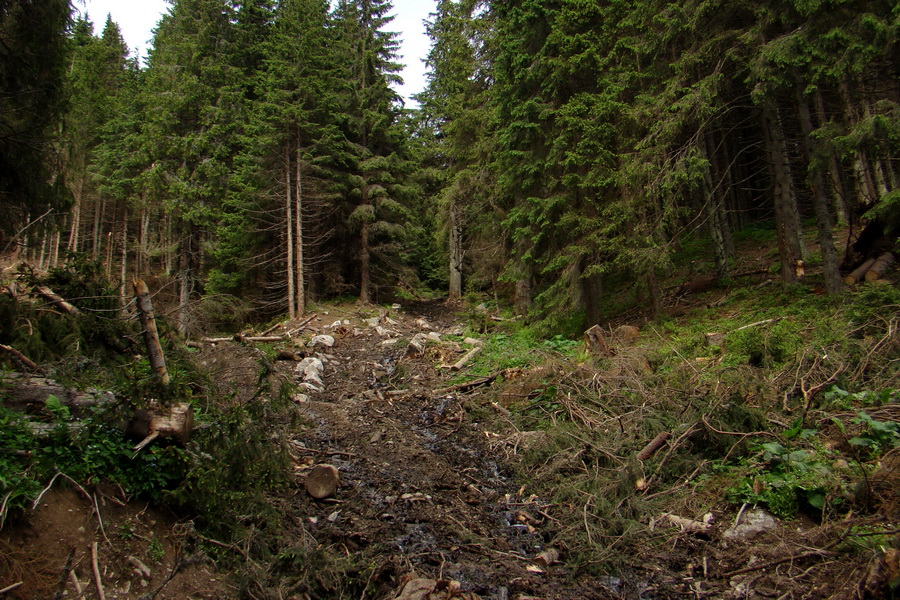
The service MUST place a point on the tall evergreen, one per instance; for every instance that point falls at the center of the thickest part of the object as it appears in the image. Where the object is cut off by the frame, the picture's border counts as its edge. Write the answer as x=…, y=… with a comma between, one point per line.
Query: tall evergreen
x=32, y=71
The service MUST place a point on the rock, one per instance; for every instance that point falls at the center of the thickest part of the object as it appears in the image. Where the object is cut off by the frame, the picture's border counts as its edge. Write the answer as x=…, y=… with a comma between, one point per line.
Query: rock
x=752, y=523
x=396, y=307
x=434, y=336
x=384, y=332
x=373, y=322
x=423, y=324
x=334, y=325
x=310, y=370
x=390, y=342
x=323, y=481
x=417, y=344
x=300, y=398
x=473, y=342
x=321, y=340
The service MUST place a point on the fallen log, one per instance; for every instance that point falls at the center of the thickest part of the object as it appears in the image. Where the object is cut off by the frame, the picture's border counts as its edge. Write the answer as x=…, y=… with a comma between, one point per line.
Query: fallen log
x=880, y=267
x=174, y=422
x=23, y=391
x=854, y=276
x=56, y=300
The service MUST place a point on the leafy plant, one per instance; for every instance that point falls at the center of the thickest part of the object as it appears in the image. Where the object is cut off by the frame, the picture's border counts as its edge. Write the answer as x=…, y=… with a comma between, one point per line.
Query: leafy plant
x=878, y=436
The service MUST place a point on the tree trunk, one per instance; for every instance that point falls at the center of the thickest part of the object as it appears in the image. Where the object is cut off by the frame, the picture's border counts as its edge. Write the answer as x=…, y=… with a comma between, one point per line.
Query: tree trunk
x=151, y=335
x=72, y=245
x=830, y=267
x=300, y=288
x=592, y=296
x=289, y=223
x=456, y=251
x=786, y=222
x=123, y=261
x=364, y=256
x=717, y=220
x=185, y=277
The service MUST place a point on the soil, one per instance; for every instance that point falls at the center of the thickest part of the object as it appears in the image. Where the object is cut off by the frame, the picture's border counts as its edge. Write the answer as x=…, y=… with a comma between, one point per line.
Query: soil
x=427, y=478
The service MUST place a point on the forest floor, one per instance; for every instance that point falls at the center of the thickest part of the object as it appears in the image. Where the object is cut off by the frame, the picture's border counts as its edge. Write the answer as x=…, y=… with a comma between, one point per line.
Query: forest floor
x=432, y=503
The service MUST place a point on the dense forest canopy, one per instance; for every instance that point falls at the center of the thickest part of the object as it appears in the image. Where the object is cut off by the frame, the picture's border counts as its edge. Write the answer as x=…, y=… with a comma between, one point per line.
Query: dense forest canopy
x=262, y=157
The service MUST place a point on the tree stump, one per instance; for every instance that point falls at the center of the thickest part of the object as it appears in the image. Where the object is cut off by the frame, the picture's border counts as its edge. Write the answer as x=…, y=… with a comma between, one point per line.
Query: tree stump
x=174, y=422
x=596, y=342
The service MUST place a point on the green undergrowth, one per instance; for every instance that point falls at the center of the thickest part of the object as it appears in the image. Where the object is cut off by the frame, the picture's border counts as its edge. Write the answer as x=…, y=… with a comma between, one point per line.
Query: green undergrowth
x=225, y=473
x=791, y=408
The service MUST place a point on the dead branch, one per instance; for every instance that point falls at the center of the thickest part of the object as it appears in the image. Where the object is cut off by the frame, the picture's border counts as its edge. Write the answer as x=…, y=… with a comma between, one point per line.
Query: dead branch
x=780, y=561
x=96, y=569
x=20, y=358
x=468, y=385
x=651, y=448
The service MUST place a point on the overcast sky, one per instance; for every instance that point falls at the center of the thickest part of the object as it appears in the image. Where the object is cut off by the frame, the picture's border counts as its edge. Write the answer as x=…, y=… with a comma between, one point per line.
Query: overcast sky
x=137, y=18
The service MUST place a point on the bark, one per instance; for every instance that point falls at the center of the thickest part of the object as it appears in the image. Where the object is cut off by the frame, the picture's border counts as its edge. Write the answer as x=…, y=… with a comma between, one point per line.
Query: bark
x=58, y=301
x=880, y=267
x=830, y=263
x=123, y=260
x=185, y=281
x=717, y=219
x=364, y=256
x=592, y=296
x=299, y=264
x=176, y=422
x=854, y=276
x=786, y=218
x=76, y=217
x=289, y=223
x=21, y=391
x=651, y=448
x=151, y=335
x=456, y=252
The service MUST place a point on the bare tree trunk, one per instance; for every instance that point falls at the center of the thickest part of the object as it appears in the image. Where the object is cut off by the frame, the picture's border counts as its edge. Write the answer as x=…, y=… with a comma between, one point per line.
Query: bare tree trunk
x=289, y=223
x=456, y=252
x=185, y=286
x=54, y=251
x=364, y=283
x=786, y=222
x=97, y=238
x=142, y=260
x=591, y=294
x=298, y=235
x=72, y=245
x=717, y=219
x=865, y=186
x=123, y=260
x=833, y=282
x=42, y=256
x=835, y=173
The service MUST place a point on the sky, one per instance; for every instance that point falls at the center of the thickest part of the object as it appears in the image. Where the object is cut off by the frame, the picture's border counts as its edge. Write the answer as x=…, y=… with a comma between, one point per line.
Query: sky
x=137, y=18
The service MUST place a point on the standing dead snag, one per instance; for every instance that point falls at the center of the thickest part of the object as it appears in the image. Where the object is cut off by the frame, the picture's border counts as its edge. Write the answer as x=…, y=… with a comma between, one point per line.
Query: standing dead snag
x=151, y=336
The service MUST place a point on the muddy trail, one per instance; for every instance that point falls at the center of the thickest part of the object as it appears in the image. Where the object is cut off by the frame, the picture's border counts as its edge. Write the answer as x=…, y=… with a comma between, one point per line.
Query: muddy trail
x=426, y=489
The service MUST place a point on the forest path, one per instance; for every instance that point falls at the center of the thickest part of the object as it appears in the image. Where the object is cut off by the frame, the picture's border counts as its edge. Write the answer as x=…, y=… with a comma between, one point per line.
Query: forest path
x=427, y=489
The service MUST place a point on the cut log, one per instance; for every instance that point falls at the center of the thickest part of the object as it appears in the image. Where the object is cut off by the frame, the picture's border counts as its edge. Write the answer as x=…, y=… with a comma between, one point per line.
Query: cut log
x=323, y=481
x=174, y=422
x=151, y=335
x=55, y=299
x=465, y=359
x=857, y=274
x=596, y=342
x=880, y=267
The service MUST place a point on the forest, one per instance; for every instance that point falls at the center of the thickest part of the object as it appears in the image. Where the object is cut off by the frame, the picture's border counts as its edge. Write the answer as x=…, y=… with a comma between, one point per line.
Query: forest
x=621, y=279
x=261, y=157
